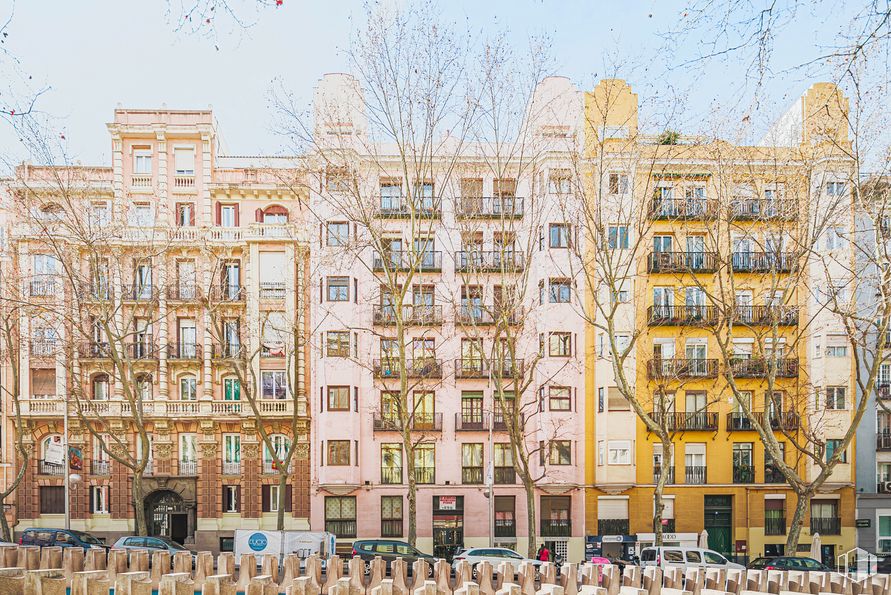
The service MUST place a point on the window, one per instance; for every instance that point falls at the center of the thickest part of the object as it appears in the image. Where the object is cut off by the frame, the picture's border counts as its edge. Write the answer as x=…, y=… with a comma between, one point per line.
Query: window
x=558, y=235
x=615, y=401
x=472, y=463
x=884, y=533
x=835, y=397
x=142, y=162
x=835, y=238
x=618, y=184
x=338, y=289
x=100, y=215
x=337, y=344
x=391, y=463
x=338, y=398
x=280, y=447
x=601, y=400
x=188, y=448
x=231, y=498
x=338, y=233
x=228, y=215
x=560, y=345
x=391, y=516
x=835, y=188
x=274, y=384
x=425, y=466
x=188, y=388
x=270, y=496
x=560, y=181
x=617, y=237
x=340, y=515
x=559, y=291
x=618, y=452
x=184, y=161
x=52, y=499
x=833, y=445
x=141, y=215
x=231, y=448
x=144, y=387
x=99, y=499
x=560, y=452
x=339, y=452
x=231, y=389
x=559, y=398
x=185, y=214
x=100, y=387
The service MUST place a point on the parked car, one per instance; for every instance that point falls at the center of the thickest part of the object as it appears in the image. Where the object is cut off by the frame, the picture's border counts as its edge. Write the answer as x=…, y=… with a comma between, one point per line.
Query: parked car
x=153, y=544
x=389, y=550
x=788, y=563
x=61, y=538
x=664, y=557
x=493, y=555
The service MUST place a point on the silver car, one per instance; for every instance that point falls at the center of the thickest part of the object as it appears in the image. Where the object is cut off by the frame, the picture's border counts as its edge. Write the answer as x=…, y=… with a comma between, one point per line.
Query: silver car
x=494, y=555
x=152, y=544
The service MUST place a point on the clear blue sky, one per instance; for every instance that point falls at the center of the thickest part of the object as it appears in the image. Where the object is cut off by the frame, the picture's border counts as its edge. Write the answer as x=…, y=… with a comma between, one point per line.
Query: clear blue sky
x=94, y=54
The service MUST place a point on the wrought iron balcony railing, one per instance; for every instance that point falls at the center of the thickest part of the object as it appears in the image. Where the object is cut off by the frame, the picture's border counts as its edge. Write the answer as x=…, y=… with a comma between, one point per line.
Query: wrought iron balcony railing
x=421, y=262
x=763, y=209
x=682, y=368
x=471, y=422
x=412, y=315
x=682, y=262
x=679, y=421
x=764, y=262
x=487, y=207
x=682, y=208
x=759, y=367
x=612, y=526
x=556, y=527
x=397, y=207
x=471, y=368
x=693, y=315
x=489, y=261
x=766, y=315
x=414, y=368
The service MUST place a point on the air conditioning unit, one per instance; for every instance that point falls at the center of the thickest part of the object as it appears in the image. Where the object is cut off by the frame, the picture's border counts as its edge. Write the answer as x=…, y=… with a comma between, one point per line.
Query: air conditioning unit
x=885, y=487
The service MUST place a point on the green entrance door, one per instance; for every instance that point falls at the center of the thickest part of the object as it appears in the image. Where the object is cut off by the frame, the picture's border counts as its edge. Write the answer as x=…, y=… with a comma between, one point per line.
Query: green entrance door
x=719, y=523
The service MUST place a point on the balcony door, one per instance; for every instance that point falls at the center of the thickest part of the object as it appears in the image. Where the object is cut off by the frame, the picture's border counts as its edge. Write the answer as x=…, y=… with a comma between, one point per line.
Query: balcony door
x=185, y=279
x=187, y=336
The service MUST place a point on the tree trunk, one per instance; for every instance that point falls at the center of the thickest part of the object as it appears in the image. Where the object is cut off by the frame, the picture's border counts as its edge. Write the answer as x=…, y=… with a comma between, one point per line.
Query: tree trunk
x=794, y=534
x=282, y=495
x=529, y=486
x=667, y=466
x=139, y=503
x=412, y=488
x=4, y=524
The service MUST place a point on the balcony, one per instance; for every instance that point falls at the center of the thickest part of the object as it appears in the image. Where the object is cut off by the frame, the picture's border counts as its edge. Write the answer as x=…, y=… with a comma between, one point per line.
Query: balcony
x=695, y=474
x=341, y=528
x=184, y=351
x=391, y=527
x=489, y=261
x=419, y=262
x=682, y=262
x=391, y=475
x=420, y=315
x=227, y=293
x=657, y=473
x=764, y=262
x=417, y=368
x=420, y=422
x=45, y=468
x=505, y=476
x=143, y=349
x=883, y=440
x=752, y=209
x=183, y=293
x=682, y=368
x=556, y=527
x=397, y=207
x=273, y=292
x=188, y=468
x=826, y=525
x=694, y=208
x=486, y=207
x=425, y=475
x=743, y=474
x=137, y=292
x=94, y=350
x=500, y=421
x=141, y=181
x=184, y=183
x=270, y=468
x=678, y=421
x=472, y=475
x=508, y=369
x=740, y=422
x=227, y=351
x=472, y=422
x=774, y=525
x=759, y=367
x=102, y=468
x=43, y=347
x=611, y=527
x=231, y=468
x=505, y=528
x=471, y=368
x=95, y=292
x=479, y=315
x=772, y=474
x=681, y=315
x=43, y=287
x=766, y=315
x=273, y=350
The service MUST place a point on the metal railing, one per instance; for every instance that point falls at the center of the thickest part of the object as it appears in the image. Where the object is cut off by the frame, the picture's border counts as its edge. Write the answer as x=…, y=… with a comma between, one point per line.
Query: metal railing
x=136, y=292
x=472, y=475
x=743, y=474
x=94, y=291
x=772, y=474
x=681, y=315
x=612, y=526
x=391, y=527
x=508, y=368
x=682, y=208
x=183, y=293
x=144, y=348
x=43, y=287
x=471, y=368
x=657, y=473
x=45, y=468
x=481, y=315
x=556, y=527
x=425, y=475
x=764, y=262
x=766, y=315
x=227, y=350
x=100, y=468
x=188, y=468
x=774, y=525
x=761, y=208
x=500, y=421
x=396, y=207
x=740, y=422
x=682, y=262
x=488, y=207
x=341, y=528
x=489, y=261
x=681, y=421
x=412, y=315
x=682, y=368
x=228, y=293
x=43, y=347
x=471, y=422
x=505, y=528
x=428, y=261
x=759, y=367
x=272, y=291
x=695, y=474
x=184, y=351
x=505, y=476
x=231, y=468
x=391, y=475
x=826, y=525
x=416, y=368
x=420, y=422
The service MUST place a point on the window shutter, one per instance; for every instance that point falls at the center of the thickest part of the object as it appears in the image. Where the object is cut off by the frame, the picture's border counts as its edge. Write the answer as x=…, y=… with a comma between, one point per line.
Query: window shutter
x=355, y=290
x=541, y=403
x=237, y=216
x=192, y=214
x=321, y=399
x=321, y=235
x=92, y=500
x=289, y=498
x=258, y=216
x=322, y=344
x=219, y=214
x=356, y=399
x=223, y=500
x=238, y=498
x=264, y=491
x=108, y=498
x=322, y=455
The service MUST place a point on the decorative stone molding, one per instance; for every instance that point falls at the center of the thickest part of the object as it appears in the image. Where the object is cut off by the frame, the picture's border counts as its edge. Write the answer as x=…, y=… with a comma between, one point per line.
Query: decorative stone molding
x=208, y=449
x=163, y=450
x=250, y=450
x=302, y=451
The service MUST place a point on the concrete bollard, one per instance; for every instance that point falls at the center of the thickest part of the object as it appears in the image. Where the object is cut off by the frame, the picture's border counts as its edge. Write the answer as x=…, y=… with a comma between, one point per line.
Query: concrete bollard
x=12, y=580
x=550, y=589
x=261, y=585
x=72, y=560
x=509, y=589
x=126, y=583
x=463, y=573
x=341, y=587
x=484, y=577
x=425, y=587
x=139, y=561
x=89, y=582
x=399, y=576
x=247, y=570
x=31, y=557
x=357, y=576
x=160, y=565
x=269, y=566
x=177, y=583
x=304, y=585
x=570, y=574
x=468, y=588
x=526, y=578
x=219, y=584
x=548, y=573
x=182, y=563
x=50, y=557
x=384, y=588
x=290, y=569
x=333, y=572
x=95, y=559
x=442, y=574
x=378, y=571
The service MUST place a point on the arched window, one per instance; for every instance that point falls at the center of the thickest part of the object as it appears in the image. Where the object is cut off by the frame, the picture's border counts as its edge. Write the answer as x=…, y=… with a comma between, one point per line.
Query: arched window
x=280, y=444
x=272, y=214
x=188, y=388
x=144, y=387
x=100, y=387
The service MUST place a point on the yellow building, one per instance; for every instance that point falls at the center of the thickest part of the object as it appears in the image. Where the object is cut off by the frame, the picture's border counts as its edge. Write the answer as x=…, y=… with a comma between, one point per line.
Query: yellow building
x=712, y=268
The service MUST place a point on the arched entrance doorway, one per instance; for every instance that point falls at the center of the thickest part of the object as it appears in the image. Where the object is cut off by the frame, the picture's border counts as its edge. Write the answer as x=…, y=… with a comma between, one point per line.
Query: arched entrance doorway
x=166, y=514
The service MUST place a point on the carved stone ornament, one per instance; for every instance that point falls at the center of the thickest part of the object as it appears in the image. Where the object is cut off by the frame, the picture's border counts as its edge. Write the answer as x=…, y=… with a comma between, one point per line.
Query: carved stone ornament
x=250, y=450
x=302, y=451
x=208, y=449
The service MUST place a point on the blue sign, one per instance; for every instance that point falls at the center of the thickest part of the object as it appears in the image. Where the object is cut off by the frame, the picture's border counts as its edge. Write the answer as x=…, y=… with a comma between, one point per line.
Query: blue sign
x=257, y=542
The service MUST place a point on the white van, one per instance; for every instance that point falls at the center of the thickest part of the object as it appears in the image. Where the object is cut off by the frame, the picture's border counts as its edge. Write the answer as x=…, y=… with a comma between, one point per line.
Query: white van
x=685, y=557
